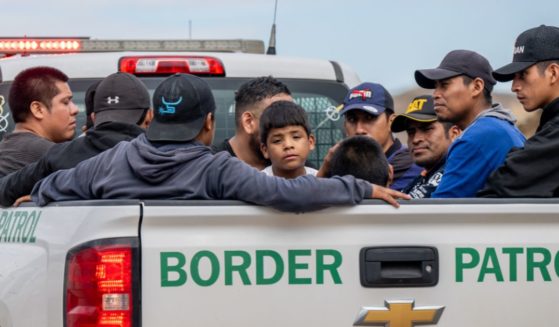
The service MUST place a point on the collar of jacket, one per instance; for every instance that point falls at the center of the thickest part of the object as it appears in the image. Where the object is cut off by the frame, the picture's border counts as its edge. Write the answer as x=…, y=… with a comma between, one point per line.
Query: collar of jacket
x=549, y=112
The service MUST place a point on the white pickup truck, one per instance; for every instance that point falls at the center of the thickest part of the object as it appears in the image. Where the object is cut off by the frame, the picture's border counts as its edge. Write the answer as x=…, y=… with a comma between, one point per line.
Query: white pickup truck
x=452, y=263
x=449, y=263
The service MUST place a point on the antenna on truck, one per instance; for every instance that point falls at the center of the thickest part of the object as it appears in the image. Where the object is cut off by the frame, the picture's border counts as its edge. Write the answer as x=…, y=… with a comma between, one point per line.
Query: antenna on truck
x=272, y=43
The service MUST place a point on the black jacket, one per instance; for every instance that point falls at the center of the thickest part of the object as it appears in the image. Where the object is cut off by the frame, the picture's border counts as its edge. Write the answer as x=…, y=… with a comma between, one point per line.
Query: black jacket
x=63, y=156
x=426, y=183
x=531, y=172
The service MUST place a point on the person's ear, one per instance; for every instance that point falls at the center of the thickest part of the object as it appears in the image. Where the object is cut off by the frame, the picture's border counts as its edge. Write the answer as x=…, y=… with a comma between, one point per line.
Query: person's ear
x=390, y=175
x=209, y=122
x=312, y=141
x=477, y=86
x=147, y=119
x=249, y=122
x=38, y=110
x=264, y=150
x=391, y=119
x=454, y=132
x=553, y=72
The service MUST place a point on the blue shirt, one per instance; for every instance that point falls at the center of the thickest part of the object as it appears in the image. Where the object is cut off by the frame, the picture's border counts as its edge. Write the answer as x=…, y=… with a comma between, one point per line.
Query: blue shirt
x=472, y=157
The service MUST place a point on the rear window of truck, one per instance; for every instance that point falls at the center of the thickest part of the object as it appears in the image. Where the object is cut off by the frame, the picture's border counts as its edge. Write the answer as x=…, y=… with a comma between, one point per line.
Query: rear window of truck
x=317, y=97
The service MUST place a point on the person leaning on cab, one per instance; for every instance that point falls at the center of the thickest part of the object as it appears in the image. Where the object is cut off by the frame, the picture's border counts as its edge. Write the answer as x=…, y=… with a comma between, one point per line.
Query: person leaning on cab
x=41, y=104
x=173, y=161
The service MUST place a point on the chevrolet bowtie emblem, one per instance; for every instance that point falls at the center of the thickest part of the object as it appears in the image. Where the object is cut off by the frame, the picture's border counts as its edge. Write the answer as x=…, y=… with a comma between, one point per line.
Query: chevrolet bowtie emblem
x=398, y=314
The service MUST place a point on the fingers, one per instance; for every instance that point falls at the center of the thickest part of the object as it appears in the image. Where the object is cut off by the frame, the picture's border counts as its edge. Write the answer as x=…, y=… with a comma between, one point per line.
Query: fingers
x=388, y=195
x=25, y=198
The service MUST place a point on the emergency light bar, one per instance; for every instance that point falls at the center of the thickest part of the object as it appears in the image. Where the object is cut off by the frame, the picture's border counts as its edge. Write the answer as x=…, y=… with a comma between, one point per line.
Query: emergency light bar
x=30, y=45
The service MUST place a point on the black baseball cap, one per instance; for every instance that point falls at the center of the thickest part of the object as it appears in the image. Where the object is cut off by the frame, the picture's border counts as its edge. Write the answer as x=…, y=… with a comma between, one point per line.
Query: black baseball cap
x=120, y=97
x=532, y=46
x=456, y=63
x=181, y=103
x=421, y=109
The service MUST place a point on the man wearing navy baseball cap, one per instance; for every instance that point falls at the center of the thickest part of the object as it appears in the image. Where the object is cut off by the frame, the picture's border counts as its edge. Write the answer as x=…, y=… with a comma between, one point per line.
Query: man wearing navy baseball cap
x=368, y=110
x=173, y=160
x=462, y=86
x=534, y=71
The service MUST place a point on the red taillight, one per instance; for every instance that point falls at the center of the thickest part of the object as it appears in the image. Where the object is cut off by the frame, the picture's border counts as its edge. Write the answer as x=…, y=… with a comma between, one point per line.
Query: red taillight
x=168, y=65
x=39, y=45
x=101, y=285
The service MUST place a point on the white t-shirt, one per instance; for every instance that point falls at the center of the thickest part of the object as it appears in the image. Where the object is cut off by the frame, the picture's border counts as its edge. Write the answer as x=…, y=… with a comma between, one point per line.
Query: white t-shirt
x=308, y=170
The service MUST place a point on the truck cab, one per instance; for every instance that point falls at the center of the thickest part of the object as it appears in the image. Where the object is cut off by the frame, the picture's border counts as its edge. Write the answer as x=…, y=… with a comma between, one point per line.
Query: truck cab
x=317, y=85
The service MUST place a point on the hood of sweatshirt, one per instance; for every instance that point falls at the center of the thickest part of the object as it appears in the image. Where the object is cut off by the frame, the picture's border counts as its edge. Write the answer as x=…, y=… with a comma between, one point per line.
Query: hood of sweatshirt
x=107, y=135
x=498, y=111
x=155, y=162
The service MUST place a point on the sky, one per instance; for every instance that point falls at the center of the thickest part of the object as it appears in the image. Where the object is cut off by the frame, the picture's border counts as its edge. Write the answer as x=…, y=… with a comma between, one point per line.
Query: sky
x=383, y=41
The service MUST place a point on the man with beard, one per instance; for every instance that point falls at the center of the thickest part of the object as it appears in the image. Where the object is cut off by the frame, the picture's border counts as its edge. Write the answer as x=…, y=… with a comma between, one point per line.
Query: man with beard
x=250, y=101
x=428, y=141
x=462, y=94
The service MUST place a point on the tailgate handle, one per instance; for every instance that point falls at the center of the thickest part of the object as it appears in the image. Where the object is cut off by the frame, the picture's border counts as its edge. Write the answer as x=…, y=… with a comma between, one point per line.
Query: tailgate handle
x=399, y=266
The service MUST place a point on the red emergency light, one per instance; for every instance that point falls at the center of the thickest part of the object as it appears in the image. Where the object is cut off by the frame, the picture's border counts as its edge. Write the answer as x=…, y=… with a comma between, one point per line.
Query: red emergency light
x=166, y=65
x=39, y=45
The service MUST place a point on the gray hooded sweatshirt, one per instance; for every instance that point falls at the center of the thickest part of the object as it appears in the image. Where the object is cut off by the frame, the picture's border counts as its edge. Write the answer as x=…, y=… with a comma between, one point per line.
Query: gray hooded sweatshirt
x=143, y=170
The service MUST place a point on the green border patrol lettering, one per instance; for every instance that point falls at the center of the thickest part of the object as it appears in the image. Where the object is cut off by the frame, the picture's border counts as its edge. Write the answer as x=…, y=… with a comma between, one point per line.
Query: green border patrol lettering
x=541, y=264
x=176, y=270
x=19, y=226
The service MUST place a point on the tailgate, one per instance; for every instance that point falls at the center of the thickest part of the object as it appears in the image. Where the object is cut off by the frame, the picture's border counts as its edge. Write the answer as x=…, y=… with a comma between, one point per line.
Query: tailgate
x=225, y=263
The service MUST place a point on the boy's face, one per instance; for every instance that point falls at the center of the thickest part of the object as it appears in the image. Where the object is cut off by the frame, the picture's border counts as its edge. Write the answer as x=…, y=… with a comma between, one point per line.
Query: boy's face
x=288, y=148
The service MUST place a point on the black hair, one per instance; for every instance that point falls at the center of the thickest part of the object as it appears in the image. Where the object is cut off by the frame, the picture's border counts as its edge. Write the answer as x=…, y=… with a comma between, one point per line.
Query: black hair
x=447, y=126
x=281, y=114
x=254, y=91
x=88, y=100
x=362, y=157
x=542, y=65
x=33, y=84
x=486, y=92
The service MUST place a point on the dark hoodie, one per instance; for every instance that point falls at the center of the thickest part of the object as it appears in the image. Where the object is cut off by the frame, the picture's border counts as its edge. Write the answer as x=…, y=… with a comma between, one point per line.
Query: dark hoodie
x=63, y=156
x=144, y=170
